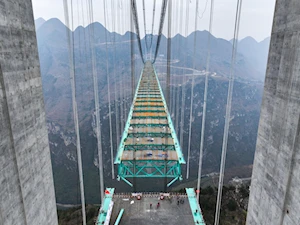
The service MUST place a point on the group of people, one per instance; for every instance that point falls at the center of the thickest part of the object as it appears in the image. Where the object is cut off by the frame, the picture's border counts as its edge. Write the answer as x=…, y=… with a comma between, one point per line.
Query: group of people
x=179, y=201
x=157, y=205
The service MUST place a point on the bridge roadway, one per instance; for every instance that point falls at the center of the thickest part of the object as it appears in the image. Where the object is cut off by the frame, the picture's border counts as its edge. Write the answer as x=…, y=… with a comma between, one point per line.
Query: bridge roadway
x=149, y=146
x=150, y=208
x=139, y=212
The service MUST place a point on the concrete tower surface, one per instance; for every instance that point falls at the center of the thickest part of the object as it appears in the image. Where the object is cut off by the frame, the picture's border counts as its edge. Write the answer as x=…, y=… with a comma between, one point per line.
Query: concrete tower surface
x=26, y=182
x=275, y=188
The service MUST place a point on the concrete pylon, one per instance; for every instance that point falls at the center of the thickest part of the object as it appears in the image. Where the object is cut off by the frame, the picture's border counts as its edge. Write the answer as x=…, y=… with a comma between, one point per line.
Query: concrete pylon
x=275, y=187
x=26, y=183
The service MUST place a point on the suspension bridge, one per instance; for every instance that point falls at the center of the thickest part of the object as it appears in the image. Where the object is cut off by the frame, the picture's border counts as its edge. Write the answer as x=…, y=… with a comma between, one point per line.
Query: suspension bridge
x=149, y=147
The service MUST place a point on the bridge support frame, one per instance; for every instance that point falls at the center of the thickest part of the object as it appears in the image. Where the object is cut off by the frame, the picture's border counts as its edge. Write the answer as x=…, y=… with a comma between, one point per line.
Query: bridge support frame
x=149, y=169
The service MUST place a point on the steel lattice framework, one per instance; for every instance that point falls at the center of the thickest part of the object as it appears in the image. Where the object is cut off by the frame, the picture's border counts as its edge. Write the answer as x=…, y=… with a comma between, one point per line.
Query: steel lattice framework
x=149, y=147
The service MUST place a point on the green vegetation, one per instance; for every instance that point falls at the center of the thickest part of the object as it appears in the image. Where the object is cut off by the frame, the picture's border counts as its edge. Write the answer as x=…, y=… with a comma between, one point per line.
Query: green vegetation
x=233, y=207
x=73, y=216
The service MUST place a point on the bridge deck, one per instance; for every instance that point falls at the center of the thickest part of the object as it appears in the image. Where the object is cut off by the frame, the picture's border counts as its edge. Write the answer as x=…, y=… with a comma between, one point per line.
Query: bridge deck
x=149, y=146
x=138, y=212
x=150, y=208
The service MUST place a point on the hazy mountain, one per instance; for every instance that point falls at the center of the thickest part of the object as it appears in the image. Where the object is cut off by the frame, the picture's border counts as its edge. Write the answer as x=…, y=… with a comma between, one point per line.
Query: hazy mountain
x=54, y=59
x=220, y=51
x=39, y=22
x=255, y=52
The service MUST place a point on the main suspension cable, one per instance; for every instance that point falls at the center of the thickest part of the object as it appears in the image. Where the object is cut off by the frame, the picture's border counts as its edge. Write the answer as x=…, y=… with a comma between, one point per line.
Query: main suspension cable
x=228, y=110
x=153, y=19
x=161, y=25
x=135, y=19
x=145, y=30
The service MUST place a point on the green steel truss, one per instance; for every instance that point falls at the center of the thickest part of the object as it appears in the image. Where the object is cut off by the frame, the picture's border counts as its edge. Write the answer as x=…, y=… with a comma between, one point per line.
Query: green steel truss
x=149, y=103
x=150, y=169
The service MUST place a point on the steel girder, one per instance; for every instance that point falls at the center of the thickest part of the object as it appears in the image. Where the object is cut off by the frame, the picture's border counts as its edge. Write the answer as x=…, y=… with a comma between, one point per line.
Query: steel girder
x=148, y=101
x=149, y=147
x=148, y=110
x=149, y=96
x=149, y=106
x=149, y=125
x=139, y=135
x=149, y=117
x=149, y=169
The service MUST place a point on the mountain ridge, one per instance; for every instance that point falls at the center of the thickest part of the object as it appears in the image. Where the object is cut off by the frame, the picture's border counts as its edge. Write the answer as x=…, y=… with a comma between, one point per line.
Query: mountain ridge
x=251, y=58
x=39, y=22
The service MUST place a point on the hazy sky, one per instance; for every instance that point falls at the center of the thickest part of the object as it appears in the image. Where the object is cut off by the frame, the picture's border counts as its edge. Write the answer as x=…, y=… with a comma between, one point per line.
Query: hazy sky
x=256, y=18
